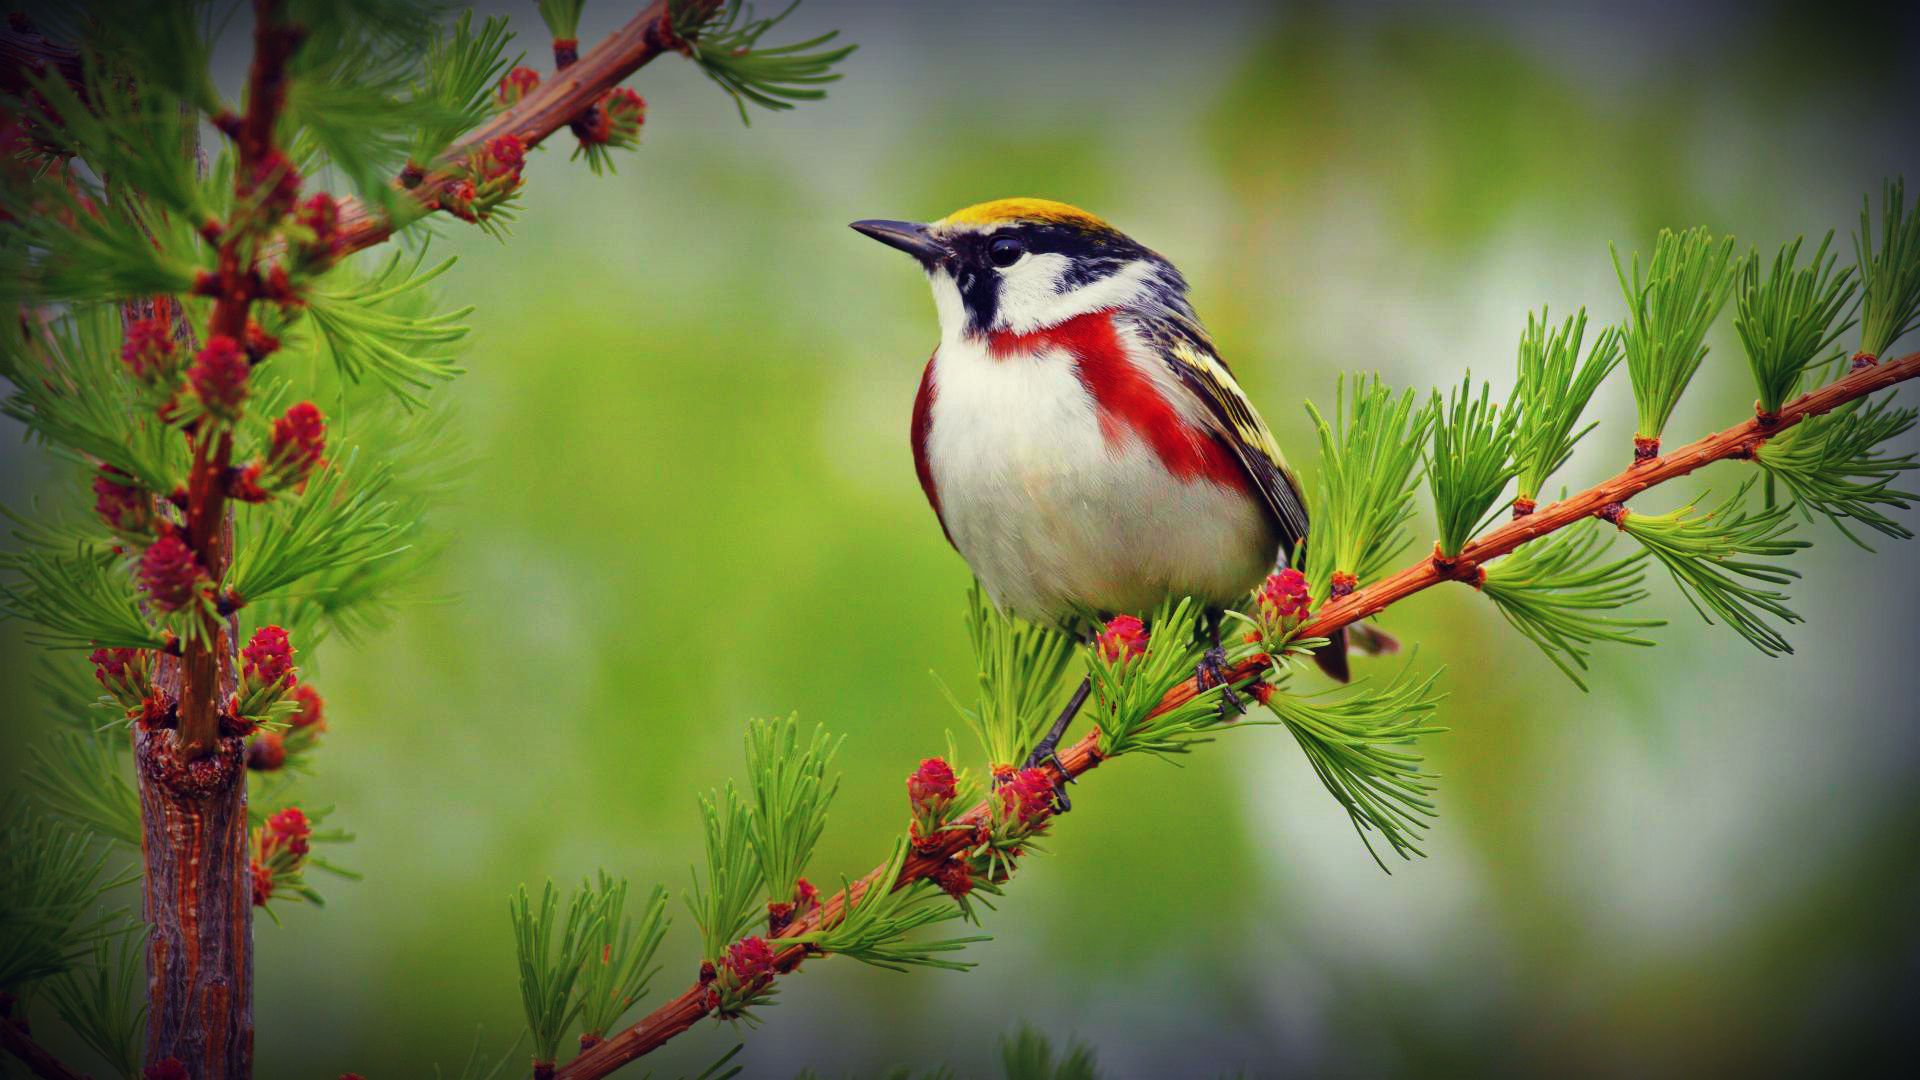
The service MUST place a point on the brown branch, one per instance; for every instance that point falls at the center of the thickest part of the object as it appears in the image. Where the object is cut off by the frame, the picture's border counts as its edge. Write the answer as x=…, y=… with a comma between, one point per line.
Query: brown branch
x=14, y=1037
x=550, y=107
x=1738, y=441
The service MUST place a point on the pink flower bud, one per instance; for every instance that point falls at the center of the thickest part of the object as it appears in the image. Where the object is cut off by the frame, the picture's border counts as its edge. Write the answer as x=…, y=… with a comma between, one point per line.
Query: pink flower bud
x=267, y=752
x=750, y=959
x=299, y=439
x=517, y=84
x=149, y=350
x=931, y=783
x=169, y=573
x=1124, y=638
x=1028, y=797
x=505, y=156
x=1283, y=596
x=124, y=507
x=268, y=659
x=219, y=377
x=312, y=711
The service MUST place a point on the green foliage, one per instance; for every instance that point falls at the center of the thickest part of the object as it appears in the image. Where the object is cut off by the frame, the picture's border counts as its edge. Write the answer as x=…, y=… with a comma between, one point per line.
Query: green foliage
x=1834, y=465
x=78, y=600
x=458, y=79
x=728, y=906
x=1028, y=1055
x=877, y=923
x=1469, y=462
x=1125, y=690
x=141, y=138
x=1552, y=392
x=549, y=968
x=330, y=525
x=71, y=391
x=50, y=876
x=790, y=798
x=383, y=326
x=1356, y=740
x=105, y=1002
x=1557, y=592
x=1710, y=554
x=360, y=87
x=620, y=961
x=562, y=17
x=88, y=243
x=1364, y=499
x=1019, y=668
x=1889, y=276
x=1669, y=309
x=1788, y=321
x=83, y=778
x=726, y=44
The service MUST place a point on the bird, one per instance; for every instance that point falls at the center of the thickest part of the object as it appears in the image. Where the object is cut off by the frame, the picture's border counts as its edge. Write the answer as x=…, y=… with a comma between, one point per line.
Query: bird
x=1083, y=445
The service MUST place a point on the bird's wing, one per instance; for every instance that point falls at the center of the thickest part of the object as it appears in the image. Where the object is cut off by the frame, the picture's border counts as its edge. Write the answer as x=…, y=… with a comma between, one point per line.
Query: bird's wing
x=1191, y=356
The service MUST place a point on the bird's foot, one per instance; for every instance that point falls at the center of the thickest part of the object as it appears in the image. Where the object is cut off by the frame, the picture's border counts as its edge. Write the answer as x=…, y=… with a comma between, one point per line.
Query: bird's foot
x=1047, y=753
x=1212, y=672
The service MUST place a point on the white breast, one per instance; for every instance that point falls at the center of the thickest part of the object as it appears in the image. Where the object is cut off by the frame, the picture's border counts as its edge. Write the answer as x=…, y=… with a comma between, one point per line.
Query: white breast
x=1055, y=519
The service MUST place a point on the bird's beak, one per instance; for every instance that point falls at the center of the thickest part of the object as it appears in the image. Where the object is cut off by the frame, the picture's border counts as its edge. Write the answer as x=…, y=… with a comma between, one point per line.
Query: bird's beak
x=912, y=238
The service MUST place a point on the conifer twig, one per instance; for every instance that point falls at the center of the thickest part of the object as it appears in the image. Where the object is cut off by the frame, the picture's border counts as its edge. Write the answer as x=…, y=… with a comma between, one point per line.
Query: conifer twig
x=547, y=109
x=1737, y=442
x=31, y=1054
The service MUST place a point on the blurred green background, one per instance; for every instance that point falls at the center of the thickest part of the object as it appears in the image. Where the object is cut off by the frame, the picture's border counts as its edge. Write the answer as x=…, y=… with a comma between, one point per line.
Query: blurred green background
x=691, y=501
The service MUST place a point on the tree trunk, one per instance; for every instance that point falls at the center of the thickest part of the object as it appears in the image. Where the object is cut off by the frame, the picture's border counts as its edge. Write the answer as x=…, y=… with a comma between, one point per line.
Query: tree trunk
x=199, y=904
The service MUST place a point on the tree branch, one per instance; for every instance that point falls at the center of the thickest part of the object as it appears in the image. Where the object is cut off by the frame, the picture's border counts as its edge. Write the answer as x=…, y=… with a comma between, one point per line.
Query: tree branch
x=541, y=113
x=1739, y=441
x=14, y=1037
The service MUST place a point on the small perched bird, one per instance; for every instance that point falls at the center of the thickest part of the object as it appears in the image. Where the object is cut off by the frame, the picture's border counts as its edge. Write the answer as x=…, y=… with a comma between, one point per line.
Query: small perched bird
x=1085, y=448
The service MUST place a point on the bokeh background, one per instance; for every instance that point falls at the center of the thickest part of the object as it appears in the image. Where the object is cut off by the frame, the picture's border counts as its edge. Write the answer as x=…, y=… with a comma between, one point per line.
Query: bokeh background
x=690, y=501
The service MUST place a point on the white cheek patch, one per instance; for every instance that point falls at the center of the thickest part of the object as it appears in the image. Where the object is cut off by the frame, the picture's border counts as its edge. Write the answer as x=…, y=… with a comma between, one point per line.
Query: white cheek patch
x=947, y=305
x=1030, y=300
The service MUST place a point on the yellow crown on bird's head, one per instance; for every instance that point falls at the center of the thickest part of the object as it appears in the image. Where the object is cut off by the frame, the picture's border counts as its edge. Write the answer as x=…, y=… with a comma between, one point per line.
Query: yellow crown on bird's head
x=1024, y=211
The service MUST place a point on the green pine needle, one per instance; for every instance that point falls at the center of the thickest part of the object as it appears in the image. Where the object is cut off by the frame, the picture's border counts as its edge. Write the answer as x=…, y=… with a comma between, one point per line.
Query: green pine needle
x=384, y=326
x=83, y=777
x=458, y=80
x=1369, y=456
x=330, y=526
x=1669, y=309
x=51, y=878
x=1712, y=557
x=550, y=967
x=726, y=44
x=728, y=906
x=1018, y=669
x=1469, y=461
x=1788, y=321
x=1552, y=392
x=877, y=924
x=1029, y=1055
x=1556, y=591
x=1834, y=465
x=79, y=600
x=1357, y=742
x=791, y=794
x=105, y=1002
x=1125, y=691
x=620, y=958
x=562, y=17
x=1890, y=276
x=71, y=390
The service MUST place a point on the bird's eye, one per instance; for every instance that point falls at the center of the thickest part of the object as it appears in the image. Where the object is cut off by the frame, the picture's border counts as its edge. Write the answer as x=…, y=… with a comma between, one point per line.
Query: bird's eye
x=1005, y=251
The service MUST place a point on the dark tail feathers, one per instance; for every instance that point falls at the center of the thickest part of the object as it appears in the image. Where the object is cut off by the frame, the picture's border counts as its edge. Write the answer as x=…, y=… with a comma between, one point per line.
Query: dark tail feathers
x=1365, y=637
